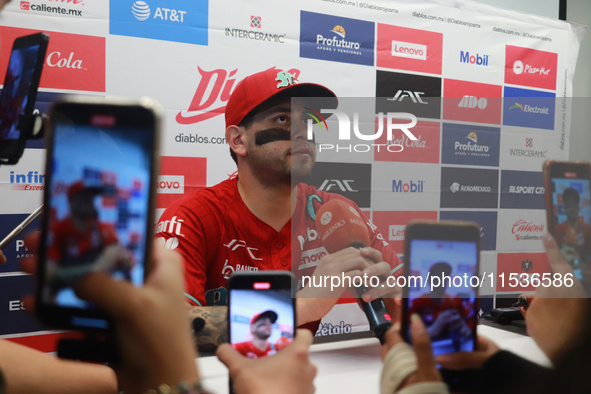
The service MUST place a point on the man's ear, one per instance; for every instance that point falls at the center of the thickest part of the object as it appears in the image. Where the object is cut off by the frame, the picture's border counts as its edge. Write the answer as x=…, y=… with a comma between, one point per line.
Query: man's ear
x=236, y=140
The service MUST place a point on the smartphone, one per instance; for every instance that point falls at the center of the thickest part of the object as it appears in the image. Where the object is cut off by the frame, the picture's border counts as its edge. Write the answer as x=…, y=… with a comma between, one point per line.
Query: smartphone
x=19, y=93
x=100, y=177
x=568, y=212
x=440, y=259
x=261, y=312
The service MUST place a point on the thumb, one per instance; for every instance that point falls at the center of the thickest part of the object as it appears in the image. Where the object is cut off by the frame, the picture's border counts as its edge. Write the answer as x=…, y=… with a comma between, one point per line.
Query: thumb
x=229, y=356
x=422, y=344
x=303, y=338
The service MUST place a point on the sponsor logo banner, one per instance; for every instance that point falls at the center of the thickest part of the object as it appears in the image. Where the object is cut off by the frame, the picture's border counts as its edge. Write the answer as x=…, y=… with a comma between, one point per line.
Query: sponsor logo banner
x=15, y=319
x=469, y=188
x=522, y=189
x=255, y=32
x=16, y=249
x=170, y=20
x=529, y=108
x=179, y=176
x=470, y=145
x=337, y=39
x=409, y=49
x=417, y=94
x=351, y=180
x=524, y=151
x=71, y=8
x=403, y=186
x=471, y=101
x=521, y=267
x=474, y=58
x=530, y=67
x=73, y=61
x=425, y=149
x=392, y=225
x=486, y=220
x=521, y=230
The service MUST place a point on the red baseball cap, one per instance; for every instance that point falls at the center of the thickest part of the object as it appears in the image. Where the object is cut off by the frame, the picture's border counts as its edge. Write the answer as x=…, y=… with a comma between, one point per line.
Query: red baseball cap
x=269, y=313
x=255, y=89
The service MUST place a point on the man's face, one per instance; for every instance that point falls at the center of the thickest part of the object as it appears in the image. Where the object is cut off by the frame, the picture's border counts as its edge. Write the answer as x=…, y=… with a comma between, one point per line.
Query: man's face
x=571, y=208
x=82, y=205
x=278, y=150
x=262, y=328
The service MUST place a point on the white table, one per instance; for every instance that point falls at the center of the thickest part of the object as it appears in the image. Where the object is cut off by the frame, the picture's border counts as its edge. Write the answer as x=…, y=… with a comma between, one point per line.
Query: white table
x=354, y=366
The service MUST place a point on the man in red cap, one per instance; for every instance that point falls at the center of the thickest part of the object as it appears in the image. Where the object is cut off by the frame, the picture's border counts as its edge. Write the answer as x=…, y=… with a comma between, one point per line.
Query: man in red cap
x=261, y=328
x=245, y=223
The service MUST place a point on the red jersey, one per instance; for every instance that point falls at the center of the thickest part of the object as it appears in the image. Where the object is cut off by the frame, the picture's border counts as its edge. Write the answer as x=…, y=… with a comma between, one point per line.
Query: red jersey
x=218, y=235
x=578, y=236
x=70, y=247
x=248, y=349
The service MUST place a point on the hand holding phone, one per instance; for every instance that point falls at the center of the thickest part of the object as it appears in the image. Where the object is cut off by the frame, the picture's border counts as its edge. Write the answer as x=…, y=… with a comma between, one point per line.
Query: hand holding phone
x=568, y=212
x=440, y=259
x=99, y=186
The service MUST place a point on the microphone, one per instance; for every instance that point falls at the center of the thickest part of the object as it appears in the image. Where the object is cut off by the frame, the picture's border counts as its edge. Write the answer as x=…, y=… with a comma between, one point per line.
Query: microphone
x=339, y=226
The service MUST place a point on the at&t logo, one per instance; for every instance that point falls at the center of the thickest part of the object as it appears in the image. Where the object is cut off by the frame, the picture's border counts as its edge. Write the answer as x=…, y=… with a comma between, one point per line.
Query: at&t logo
x=141, y=11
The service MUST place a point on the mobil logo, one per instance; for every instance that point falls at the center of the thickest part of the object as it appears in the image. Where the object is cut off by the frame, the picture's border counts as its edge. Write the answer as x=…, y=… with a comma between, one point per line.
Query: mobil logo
x=73, y=61
x=475, y=59
x=171, y=184
x=416, y=186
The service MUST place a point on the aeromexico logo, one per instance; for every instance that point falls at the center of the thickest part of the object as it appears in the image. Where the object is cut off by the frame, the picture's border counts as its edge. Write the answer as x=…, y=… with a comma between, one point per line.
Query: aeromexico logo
x=391, y=120
x=212, y=95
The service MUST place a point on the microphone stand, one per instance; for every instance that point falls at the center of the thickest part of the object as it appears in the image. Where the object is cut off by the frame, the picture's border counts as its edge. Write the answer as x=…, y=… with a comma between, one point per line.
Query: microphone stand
x=18, y=229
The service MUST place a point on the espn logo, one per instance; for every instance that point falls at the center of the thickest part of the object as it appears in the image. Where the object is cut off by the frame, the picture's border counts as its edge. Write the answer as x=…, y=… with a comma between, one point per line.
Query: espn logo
x=171, y=184
x=396, y=232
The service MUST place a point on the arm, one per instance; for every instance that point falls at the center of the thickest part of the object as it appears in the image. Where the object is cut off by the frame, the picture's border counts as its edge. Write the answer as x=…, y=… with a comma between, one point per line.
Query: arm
x=215, y=331
x=29, y=371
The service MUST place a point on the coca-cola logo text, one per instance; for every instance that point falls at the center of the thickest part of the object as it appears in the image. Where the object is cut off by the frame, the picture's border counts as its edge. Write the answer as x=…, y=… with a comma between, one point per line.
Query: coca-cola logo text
x=55, y=59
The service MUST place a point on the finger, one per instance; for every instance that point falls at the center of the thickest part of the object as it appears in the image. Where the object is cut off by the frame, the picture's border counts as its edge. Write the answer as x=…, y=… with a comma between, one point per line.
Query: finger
x=371, y=253
x=28, y=265
x=29, y=303
x=229, y=356
x=2, y=258
x=32, y=241
x=391, y=338
x=92, y=287
x=422, y=345
x=461, y=360
x=381, y=270
x=165, y=269
x=557, y=263
x=303, y=337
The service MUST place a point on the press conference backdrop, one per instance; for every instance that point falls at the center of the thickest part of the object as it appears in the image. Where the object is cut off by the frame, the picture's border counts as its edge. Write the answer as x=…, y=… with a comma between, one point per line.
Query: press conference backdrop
x=189, y=55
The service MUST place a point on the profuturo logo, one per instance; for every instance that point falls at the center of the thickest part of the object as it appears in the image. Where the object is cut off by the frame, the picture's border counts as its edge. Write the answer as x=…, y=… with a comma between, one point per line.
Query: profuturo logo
x=335, y=42
x=140, y=10
x=472, y=136
x=339, y=31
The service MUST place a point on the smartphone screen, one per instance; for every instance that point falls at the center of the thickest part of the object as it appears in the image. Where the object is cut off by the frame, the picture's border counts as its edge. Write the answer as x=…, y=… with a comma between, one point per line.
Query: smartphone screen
x=98, y=205
x=569, y=212
x=20, y=88
x=440, y=259
x=261, y=313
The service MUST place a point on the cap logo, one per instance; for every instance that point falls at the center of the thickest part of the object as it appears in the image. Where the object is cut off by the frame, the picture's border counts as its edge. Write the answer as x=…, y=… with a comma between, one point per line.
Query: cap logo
x=285, y=79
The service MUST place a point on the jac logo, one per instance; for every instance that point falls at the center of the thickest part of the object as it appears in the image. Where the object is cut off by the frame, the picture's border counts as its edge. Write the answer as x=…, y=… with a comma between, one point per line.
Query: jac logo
x=55, y=59
x=212, y=94
x=473, y=102
x=344, y=185
x=174, y=184
x=238, y=243
x=414, y=96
